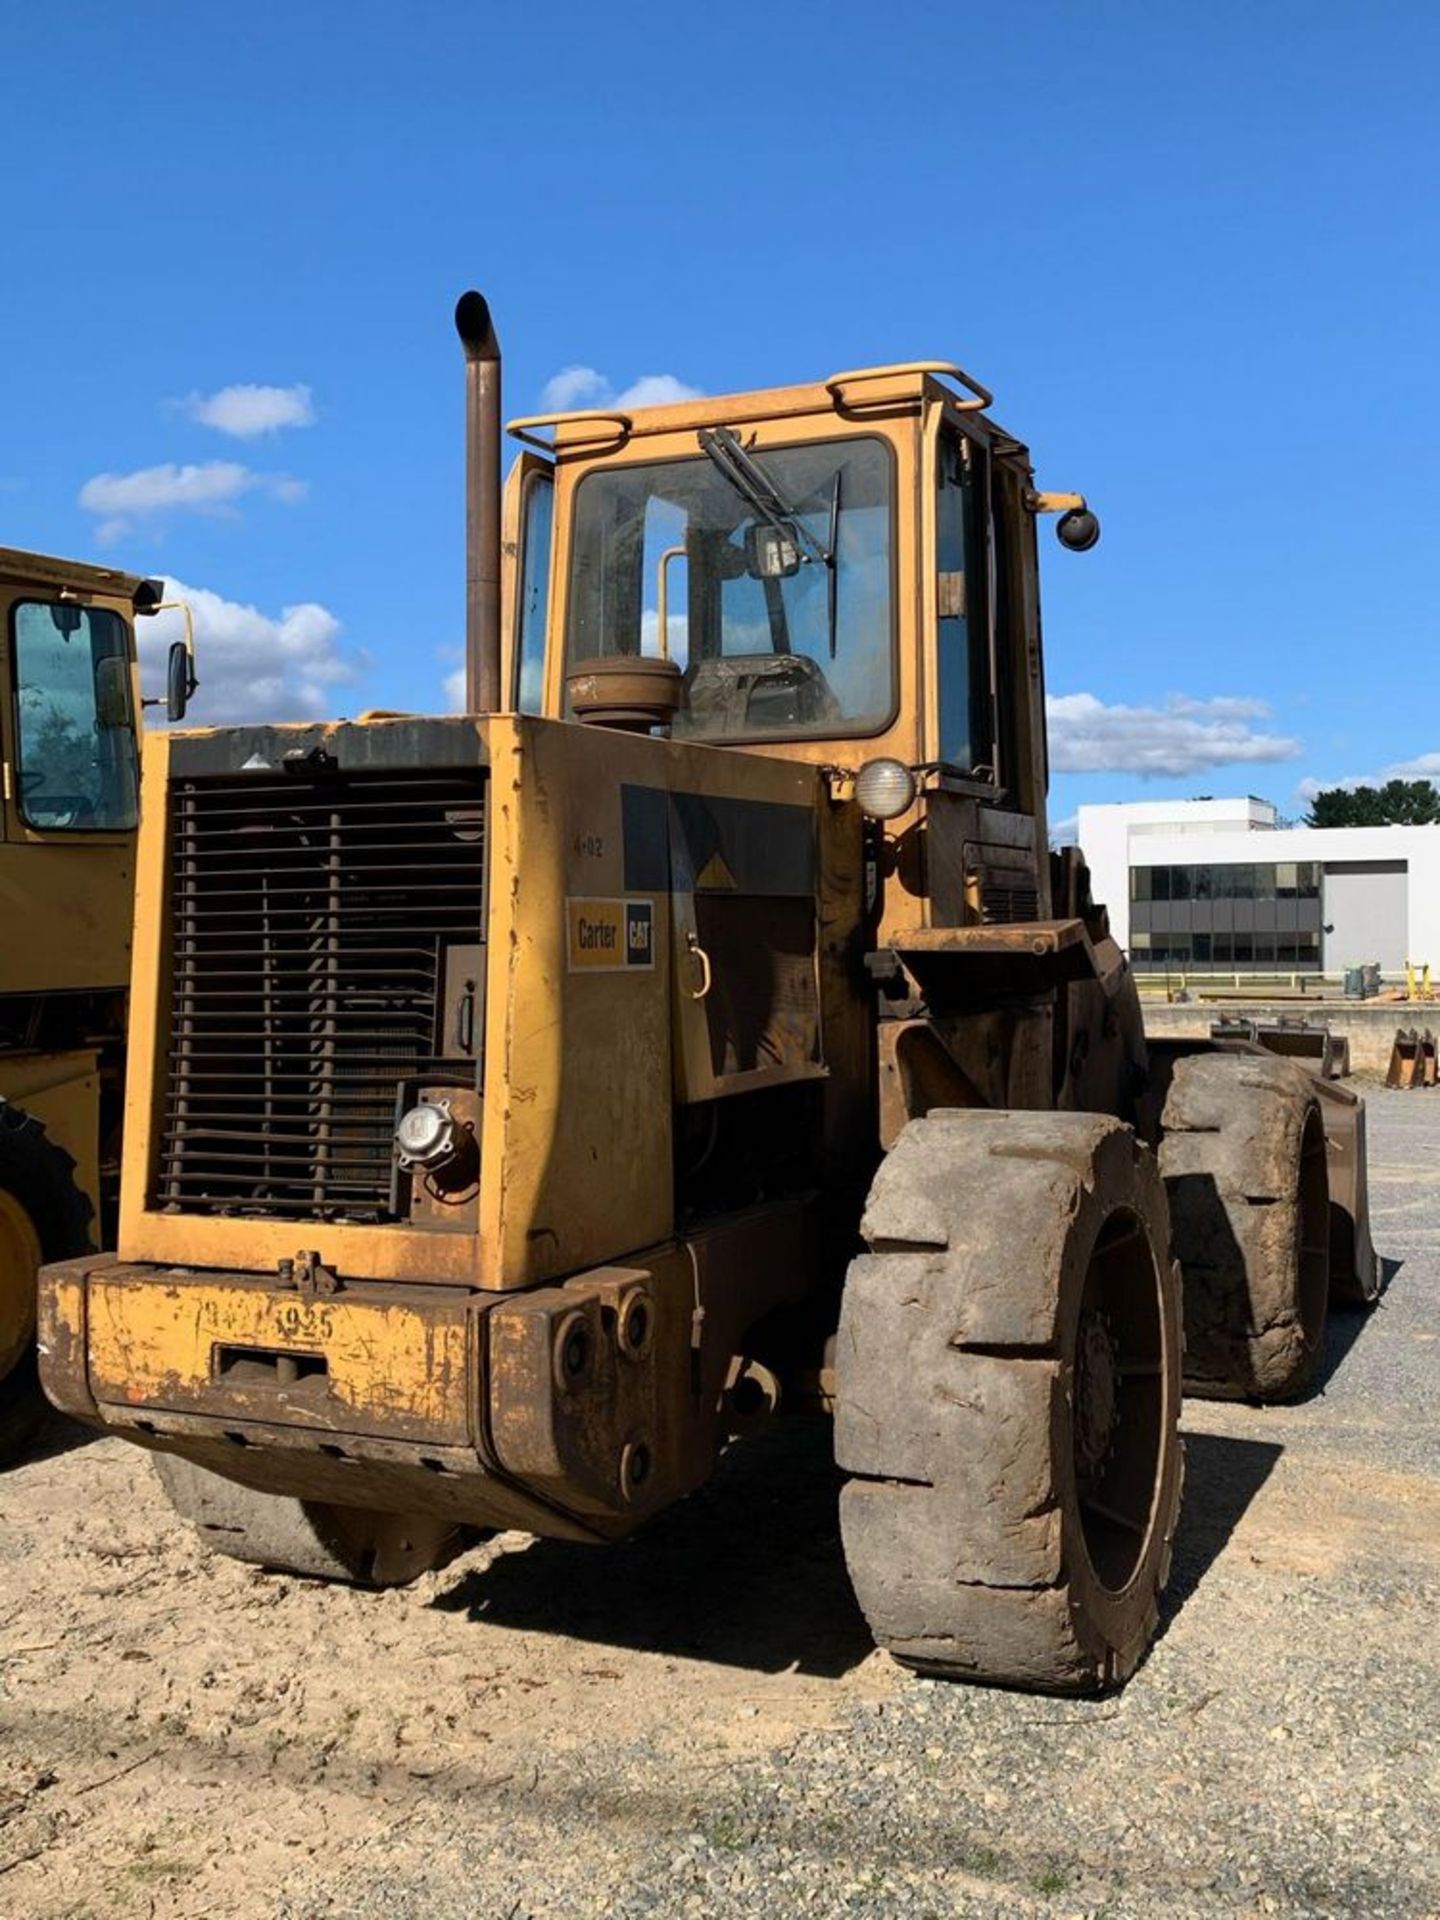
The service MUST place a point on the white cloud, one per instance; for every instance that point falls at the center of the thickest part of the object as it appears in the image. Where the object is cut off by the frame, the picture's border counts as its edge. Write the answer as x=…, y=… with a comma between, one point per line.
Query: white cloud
x=245, y=412
x=211, y=487
x=252, y=666
x=1423, y=766
x=574, y=387
x=1182, y=737
x=577, y=387
x=656, y=390
x=455, y=690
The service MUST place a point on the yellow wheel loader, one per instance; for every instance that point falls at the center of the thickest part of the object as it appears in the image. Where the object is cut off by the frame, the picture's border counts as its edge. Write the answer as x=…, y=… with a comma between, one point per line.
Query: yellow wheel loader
x=525, y=1104
x=68, y=733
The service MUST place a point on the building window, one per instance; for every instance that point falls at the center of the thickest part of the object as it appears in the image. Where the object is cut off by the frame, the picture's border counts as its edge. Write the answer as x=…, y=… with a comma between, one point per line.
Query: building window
x=1222, y=904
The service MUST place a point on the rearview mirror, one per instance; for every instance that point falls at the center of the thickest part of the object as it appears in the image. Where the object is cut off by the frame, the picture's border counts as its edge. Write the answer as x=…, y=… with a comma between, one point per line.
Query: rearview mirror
x=179, y=681
x=771, y=552
x=112, y=692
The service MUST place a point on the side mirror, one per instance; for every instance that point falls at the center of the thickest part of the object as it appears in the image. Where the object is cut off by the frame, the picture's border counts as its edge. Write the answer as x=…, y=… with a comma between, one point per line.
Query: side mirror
x=179, y=681
x=771, y=553
x=1077, y=528
x=112, y=692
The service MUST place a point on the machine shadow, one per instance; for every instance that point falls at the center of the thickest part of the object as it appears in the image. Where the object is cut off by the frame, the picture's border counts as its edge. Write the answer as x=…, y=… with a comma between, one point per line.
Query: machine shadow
x=56, y=1434
x=1344, y=1325
x=1222, y=1478
x=748, y=1572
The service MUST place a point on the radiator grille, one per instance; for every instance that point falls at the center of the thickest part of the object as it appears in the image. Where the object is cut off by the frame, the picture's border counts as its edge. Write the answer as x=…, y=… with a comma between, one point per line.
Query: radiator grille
x=311, y=920
x=1008, y=897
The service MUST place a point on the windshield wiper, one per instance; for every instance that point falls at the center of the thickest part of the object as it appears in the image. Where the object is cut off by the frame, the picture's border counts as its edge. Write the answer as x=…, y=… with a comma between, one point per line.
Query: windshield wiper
x=758, y=490
x=722, y=447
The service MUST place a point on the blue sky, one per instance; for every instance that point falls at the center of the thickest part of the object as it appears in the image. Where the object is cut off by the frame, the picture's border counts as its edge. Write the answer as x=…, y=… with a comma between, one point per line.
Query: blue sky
x=1194, y=251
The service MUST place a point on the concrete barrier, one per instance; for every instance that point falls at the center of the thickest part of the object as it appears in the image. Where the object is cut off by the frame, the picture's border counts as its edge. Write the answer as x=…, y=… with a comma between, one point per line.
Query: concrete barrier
x=1368, y=1025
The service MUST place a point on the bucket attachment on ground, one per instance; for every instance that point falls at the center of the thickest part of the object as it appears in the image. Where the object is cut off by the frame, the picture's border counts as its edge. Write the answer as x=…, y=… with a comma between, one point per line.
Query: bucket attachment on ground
x=1310, y=1041
x=1412, y=1059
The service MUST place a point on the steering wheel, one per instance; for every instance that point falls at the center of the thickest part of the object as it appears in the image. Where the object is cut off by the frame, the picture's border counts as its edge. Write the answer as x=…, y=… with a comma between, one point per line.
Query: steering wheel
x=58, y=809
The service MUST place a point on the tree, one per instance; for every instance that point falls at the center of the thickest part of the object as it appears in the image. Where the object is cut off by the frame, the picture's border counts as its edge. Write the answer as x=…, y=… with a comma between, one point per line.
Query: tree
x=1399, y=803
x=59, y=757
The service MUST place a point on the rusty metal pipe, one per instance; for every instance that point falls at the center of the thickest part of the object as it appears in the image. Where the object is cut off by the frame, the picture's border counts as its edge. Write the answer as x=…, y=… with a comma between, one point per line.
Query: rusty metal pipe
x=482, y=503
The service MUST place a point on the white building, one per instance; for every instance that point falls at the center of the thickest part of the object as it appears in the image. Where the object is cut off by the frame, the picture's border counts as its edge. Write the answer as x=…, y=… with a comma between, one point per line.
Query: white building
x=1197, y=885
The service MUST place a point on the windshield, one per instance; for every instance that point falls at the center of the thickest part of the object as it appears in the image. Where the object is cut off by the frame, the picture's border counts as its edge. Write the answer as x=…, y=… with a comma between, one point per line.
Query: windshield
x=779, y=615
x=76, y=731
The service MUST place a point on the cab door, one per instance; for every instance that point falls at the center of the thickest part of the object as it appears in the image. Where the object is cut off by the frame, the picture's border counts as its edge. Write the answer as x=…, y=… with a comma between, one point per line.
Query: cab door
x=71, y=790
x=984, y=860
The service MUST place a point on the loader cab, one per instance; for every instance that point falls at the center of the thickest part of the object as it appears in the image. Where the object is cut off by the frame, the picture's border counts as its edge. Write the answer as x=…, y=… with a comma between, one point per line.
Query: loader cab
x=841, y=573
x=69, y=725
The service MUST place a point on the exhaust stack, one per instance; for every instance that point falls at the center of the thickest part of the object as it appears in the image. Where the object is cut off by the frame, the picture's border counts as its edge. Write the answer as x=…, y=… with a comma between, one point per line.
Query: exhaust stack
x=482, y=503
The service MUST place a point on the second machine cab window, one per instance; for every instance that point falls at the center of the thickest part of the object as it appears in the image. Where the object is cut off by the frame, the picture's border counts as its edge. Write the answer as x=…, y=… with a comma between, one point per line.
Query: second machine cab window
x=78, y=767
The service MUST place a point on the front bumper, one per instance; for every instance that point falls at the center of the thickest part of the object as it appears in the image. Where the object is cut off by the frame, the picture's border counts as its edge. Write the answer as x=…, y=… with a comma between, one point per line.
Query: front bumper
x=404, y=1398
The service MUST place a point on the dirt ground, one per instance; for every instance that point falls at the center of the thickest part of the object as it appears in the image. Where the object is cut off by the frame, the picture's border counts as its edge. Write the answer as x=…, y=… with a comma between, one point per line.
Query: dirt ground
x=695, y=1723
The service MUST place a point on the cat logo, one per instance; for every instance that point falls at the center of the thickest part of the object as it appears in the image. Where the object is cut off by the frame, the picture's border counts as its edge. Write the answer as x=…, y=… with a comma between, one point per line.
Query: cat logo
x=610, y=936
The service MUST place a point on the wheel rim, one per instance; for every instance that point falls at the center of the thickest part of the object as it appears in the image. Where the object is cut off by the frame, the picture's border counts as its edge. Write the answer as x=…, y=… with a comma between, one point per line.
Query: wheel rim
x=1118, y=1399
x=19, y=1260
x=1312, y=1290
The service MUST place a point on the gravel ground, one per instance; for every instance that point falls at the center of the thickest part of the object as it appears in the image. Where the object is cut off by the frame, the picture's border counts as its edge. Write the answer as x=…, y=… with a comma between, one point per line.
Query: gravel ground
x=694, y=1723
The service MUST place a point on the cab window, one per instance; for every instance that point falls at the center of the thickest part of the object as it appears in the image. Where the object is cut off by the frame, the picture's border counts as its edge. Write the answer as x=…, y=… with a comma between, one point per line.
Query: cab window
x=963, y=597
x=764, y=573
x=75, y=723
x=538, y=517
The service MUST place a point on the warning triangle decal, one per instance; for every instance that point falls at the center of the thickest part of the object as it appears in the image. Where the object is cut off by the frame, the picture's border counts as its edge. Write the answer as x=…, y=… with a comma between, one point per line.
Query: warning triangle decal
x=715, y=873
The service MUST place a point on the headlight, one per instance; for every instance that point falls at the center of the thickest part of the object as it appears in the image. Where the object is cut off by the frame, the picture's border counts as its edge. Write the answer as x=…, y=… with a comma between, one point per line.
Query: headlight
x=884, y=788
x=425, y=1136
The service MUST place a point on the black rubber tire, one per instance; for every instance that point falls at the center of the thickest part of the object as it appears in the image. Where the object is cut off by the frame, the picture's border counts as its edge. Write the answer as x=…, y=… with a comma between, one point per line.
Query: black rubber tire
x=974, y=1530
x=1243, y=1156
x=41, y=1176
x=316, y=1538
x=22, y=1408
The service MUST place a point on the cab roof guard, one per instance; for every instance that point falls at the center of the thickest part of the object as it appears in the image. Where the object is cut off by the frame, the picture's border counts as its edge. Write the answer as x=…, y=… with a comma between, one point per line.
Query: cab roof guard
x=836, y=385
x=613, y=428
x=621, y=425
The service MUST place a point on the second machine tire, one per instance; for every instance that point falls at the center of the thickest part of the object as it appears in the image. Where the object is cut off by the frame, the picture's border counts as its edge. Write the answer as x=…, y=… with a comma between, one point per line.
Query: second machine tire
x=43, y=1216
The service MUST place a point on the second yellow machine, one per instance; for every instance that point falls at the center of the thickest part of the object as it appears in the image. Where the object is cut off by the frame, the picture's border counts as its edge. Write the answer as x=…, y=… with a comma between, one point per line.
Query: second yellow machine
x=524, y=1103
